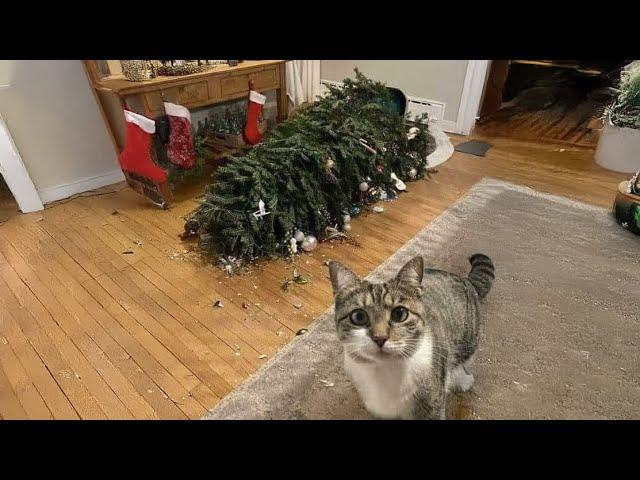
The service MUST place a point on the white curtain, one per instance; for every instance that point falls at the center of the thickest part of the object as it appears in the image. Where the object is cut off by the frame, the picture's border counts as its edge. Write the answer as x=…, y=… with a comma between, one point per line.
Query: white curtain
x=303, y=80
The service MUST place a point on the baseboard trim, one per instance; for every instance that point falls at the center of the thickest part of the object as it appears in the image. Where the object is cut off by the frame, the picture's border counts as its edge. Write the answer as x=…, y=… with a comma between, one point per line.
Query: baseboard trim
x=449, y=126
x=52, y=194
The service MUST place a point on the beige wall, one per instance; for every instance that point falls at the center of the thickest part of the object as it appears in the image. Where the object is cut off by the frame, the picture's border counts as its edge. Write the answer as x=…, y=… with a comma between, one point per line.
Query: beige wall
x=55, y=122
x=440, y=80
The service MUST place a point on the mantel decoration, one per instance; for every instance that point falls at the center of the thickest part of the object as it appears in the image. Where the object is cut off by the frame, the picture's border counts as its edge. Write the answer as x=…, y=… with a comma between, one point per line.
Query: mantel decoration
x=136, y=70
x=141, y=70
x=307, y=177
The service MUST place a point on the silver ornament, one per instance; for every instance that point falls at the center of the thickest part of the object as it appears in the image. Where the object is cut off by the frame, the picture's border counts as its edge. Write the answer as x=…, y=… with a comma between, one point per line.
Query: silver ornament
x=309, y=243
x=293, y=245
x=412, y=173
x=378, y=209
x=364, y=186
x=298, y=235
x=346, y=218
x=346, y=227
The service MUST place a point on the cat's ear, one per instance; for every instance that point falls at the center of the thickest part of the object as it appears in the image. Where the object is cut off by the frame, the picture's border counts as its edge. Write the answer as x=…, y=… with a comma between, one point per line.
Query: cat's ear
x=413, y=271
x=341, y=277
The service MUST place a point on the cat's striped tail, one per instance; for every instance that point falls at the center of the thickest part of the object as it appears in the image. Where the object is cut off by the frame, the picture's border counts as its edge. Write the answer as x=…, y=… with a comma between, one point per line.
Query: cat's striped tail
x=482, y=273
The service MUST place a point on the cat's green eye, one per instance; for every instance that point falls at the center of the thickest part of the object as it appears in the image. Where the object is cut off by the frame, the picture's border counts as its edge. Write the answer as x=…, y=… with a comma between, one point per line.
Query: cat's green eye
x=359, y=317
x=399, y=314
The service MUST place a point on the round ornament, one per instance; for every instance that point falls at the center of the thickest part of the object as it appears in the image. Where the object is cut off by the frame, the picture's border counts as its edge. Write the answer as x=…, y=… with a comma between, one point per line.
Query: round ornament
x=309, y=243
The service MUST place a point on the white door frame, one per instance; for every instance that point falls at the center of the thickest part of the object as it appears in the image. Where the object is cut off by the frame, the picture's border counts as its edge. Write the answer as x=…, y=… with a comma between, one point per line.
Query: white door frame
x=472, y=90
x=15, y=174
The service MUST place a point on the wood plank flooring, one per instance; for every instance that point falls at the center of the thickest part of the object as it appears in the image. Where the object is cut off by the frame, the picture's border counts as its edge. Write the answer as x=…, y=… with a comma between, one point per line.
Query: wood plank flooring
x=555, y=125
x=87, y=331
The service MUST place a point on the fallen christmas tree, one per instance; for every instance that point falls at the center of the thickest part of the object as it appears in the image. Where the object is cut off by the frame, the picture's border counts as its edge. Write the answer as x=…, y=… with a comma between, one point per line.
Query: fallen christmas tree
x=311, y=172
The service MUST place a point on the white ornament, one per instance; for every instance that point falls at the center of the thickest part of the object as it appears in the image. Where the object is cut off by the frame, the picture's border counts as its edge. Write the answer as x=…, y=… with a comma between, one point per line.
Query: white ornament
x=328, y=164
x=293, y=245
x=346, y=227
x=346, y=218
x=298, y=235
x=309, y=243
x=413, y=132
x=364, y=186
x=383, y=195
x=399, y=184
x=378, y=209
x=261, y=212
x=412, y=173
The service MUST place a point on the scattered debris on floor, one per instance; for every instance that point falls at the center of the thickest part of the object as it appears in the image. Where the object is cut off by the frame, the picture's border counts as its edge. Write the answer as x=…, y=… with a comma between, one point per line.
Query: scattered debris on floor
x=191, y=229
x=218, y=304
x=279, y=333
x=262, y=357
x=115, y=212
x=297, y=305
x=332, y=233
x=430, y=171
x=295, y=278
x=137, y=242
x=302, y=331
x=245, y=305
x=378, y=209
x=127, y=252
x=327, y=383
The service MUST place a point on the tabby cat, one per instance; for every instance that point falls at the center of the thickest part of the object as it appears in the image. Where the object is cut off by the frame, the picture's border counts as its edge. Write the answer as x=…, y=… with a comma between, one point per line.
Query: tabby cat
x=411, y=340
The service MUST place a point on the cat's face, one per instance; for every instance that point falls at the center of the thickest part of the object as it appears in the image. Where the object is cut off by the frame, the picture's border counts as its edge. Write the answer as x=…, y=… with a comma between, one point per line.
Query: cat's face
x=383, y=321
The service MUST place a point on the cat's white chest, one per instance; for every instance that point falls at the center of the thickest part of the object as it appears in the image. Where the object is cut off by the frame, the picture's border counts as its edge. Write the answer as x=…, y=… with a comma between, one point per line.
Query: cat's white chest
x=387, y=388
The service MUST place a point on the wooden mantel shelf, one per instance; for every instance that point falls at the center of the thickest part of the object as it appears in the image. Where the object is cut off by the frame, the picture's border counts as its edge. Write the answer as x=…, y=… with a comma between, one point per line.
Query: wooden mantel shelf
x=120, y=85
x=218, y=84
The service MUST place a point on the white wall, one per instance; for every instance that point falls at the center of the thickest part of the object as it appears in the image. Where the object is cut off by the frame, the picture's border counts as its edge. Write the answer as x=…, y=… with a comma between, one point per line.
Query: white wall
x=56, y=125
x=440, y=80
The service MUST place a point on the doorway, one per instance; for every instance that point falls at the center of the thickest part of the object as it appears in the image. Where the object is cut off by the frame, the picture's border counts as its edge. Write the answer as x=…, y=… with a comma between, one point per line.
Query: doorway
x=558, y=101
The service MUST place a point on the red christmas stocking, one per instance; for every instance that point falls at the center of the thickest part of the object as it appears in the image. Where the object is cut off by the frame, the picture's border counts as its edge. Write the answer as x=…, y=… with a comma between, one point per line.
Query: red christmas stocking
x=135, y=159
x=180, y=149
x=136, y=155
x=251, y=133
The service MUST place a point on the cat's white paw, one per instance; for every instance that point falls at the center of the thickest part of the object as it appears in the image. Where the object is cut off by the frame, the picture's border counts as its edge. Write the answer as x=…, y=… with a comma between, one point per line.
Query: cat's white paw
x=459, y=380
x=465, y=382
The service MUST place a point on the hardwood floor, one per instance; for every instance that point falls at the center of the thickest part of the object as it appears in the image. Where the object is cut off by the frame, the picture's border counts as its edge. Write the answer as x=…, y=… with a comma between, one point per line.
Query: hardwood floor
x=87, y=331
x=555, y=125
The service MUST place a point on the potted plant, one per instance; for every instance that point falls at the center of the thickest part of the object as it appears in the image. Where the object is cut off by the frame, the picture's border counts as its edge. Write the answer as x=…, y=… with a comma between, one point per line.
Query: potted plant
x=619, y=145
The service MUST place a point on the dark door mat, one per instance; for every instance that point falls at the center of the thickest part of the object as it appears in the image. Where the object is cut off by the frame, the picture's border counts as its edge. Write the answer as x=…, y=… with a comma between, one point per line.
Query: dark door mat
x=474, y=147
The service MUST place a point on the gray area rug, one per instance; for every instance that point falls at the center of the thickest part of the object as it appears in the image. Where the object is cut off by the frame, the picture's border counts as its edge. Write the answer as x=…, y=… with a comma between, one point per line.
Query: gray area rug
x=562, y=332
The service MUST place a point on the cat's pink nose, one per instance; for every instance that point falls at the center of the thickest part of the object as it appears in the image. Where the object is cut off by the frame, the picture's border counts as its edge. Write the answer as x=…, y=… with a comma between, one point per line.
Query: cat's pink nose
x=380, y=340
